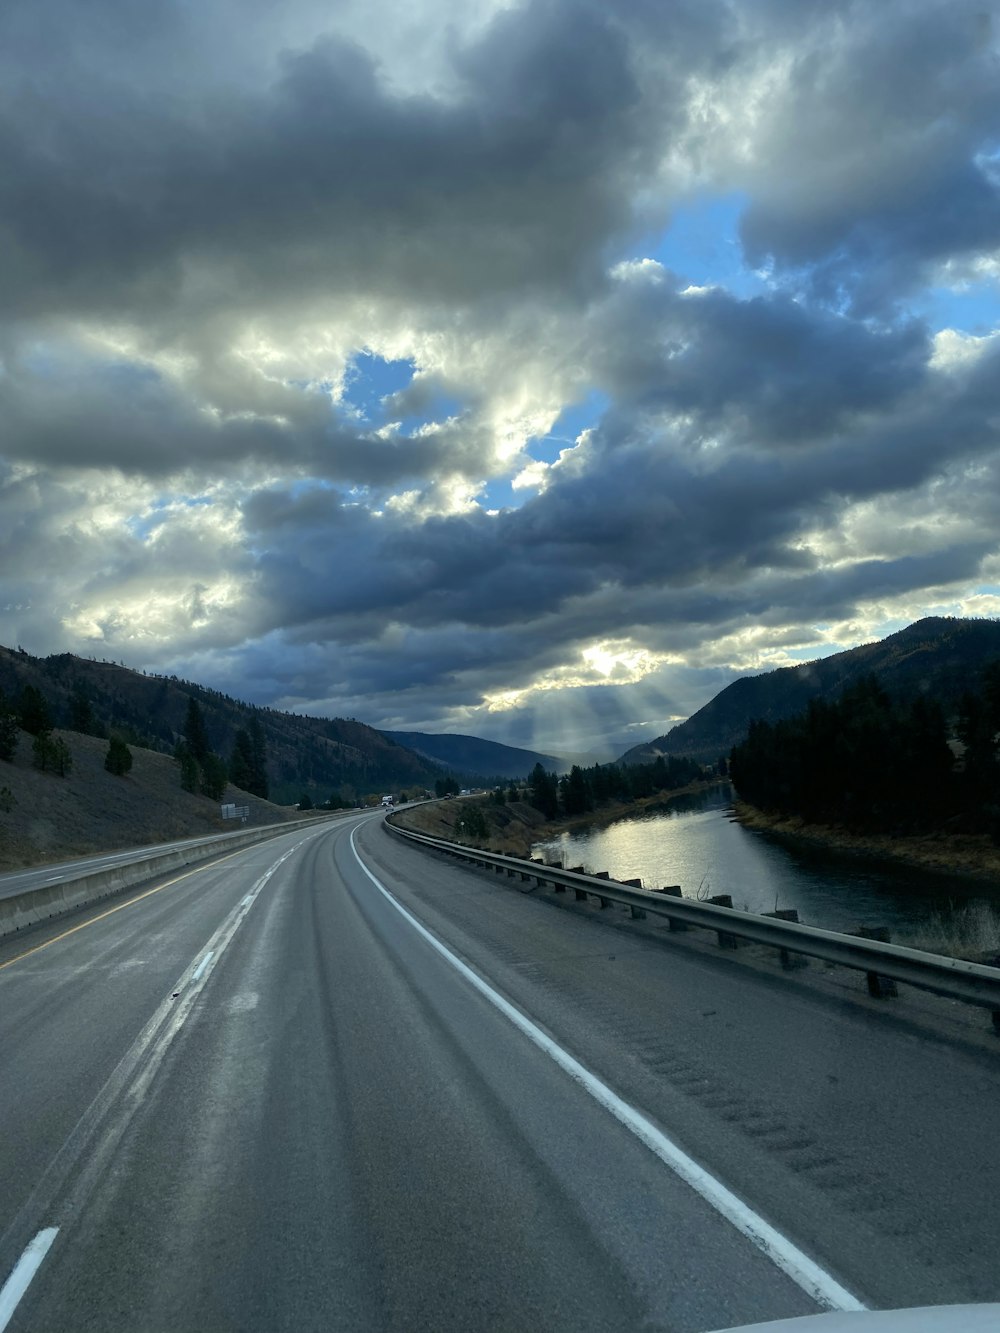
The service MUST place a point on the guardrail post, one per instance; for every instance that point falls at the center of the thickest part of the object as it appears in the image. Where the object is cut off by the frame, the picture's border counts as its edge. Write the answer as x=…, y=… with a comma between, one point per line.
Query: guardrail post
x=602, y=874
x=726, y=941
x=880, y=988
x=580, y=895
x=789, y=961
x=673, y=891
x=557, y=865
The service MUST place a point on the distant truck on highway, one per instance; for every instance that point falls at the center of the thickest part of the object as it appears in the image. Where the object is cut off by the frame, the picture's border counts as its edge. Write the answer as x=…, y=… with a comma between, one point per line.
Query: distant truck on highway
x=388, y=802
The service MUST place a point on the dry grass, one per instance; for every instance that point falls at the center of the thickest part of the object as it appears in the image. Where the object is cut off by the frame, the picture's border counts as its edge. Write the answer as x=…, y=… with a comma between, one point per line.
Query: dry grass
x=971, y=932
x=513, y=829
x=949, y=853
x=90, y=810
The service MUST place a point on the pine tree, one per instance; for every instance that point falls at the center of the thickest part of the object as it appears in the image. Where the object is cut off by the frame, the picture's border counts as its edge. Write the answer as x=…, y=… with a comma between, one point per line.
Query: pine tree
x=188, y=766
x=241, y=763
x=8, y=729
x=194, y=730
x=81, y=712
x=258, y=745
x=53, y=753
x=544, y=791
x=33, y=710
x=119, y=757
x=213, y=777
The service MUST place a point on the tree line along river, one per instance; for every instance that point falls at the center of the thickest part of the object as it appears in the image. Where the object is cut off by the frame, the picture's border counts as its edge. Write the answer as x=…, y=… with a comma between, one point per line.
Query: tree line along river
x=694, y=842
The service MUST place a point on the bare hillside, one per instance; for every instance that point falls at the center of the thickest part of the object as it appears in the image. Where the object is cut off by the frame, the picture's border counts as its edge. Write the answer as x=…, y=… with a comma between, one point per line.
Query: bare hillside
x=53, y=818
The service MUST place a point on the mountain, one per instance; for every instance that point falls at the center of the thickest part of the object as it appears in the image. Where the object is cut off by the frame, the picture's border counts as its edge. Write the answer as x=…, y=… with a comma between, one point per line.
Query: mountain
x=479, y=758
x=305, y=754
x=939, y=656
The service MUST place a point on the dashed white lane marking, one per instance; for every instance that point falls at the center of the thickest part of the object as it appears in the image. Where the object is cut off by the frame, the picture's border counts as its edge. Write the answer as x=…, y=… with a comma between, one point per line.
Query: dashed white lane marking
x=196, y=975
x=95, y=1136
x=24, y=1270
x=782, y=1252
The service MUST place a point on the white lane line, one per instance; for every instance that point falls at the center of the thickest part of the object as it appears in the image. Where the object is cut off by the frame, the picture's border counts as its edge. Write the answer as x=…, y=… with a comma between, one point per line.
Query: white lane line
x=196, y=976
x=24, y=1270
x=91, y=1144
x=804, y=1272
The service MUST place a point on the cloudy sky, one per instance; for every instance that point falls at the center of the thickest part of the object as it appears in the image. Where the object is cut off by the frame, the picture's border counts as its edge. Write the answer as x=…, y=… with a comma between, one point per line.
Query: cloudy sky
x=528, y=370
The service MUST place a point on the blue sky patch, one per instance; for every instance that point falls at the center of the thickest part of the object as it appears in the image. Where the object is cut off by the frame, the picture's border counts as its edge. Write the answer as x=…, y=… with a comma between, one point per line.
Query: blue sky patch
x=572, y=420
x=370, y=378
x=702, y=245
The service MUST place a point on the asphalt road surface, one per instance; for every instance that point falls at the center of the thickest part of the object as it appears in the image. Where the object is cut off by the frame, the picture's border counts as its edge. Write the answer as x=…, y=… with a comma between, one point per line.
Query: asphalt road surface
x=336, y=1083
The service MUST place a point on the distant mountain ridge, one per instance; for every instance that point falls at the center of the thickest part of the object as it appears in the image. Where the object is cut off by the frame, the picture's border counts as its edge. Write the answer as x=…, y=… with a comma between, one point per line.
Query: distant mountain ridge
x=940, y=656
x=312, y=755
x=474, y=756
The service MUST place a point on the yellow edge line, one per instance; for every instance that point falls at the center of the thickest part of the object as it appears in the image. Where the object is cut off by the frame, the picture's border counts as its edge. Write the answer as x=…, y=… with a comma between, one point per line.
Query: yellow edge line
x=112, y=910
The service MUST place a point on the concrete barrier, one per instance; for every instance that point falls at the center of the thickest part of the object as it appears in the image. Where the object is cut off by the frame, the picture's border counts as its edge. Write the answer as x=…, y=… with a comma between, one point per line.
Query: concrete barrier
x=23, y=910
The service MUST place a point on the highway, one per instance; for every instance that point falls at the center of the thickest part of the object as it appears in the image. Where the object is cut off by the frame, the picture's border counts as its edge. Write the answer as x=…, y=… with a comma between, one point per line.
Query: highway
x=333, y=1082
x=24, y=881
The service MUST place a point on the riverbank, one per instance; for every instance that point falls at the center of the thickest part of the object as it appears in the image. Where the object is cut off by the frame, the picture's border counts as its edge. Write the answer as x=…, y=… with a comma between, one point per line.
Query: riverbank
x=514, y=829
x=972, y=856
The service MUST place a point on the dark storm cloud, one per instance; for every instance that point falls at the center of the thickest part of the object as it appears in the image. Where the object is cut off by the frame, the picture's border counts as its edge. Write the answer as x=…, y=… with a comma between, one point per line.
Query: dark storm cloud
x=871, y=157
x=768, y=368
x=200, y=226
x=636, y=535
x=120, y=195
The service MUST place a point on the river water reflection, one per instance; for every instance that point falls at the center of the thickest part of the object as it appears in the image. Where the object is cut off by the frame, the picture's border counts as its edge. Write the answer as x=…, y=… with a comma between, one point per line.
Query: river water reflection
x=695, y=843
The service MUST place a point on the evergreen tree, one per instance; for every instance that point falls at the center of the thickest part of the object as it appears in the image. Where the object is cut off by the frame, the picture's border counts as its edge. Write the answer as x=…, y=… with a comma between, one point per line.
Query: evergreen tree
x=241, y=763
x=118, y=760
x=33, y=710
x=258, y=744
x=305, y=801
x=8, y=729
x=576, y=795
x=544, y=791
x=51, y=753
x=213, y=777
x=188, y=766
x=81, y=712
x=194, y=730
x=62, y=758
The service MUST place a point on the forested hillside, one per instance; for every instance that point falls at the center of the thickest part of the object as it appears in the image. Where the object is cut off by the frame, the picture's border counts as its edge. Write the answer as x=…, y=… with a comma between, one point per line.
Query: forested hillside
x=874, y=763
x=472, y=755
x=934, y=659
x=315, y=756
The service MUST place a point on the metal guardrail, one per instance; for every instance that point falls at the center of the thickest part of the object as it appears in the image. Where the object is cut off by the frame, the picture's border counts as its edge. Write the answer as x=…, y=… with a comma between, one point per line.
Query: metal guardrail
x=973, y=983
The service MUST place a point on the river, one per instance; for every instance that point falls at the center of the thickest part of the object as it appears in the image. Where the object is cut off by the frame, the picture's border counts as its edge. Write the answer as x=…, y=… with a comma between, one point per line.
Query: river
x=693, y=841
